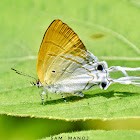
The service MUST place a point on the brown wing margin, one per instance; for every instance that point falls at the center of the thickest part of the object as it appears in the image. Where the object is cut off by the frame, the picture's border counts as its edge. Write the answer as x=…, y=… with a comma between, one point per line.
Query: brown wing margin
x=57, y=39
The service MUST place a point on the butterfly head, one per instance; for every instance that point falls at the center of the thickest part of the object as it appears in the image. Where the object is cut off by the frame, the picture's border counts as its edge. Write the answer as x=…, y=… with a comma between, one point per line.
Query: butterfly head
x=37, y=84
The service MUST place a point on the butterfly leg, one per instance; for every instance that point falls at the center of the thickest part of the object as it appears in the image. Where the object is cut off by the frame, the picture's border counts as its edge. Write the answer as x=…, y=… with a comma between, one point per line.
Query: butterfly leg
x=79, y=94
x=63, y=97
x=41, y=94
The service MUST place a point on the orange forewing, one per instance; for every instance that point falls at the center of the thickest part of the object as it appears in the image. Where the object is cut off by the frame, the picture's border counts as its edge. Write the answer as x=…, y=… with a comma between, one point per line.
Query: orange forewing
x=58, y=39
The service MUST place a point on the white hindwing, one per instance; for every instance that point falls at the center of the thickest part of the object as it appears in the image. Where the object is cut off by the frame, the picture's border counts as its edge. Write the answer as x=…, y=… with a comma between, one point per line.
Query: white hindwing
x=77, y=74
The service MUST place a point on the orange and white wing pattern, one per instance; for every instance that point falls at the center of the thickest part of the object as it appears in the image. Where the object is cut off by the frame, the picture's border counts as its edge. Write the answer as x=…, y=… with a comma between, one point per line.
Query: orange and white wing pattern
x=65, y=66
x=60, y=54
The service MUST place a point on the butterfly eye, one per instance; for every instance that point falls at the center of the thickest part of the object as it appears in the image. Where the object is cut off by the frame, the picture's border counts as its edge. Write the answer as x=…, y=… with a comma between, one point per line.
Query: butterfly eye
x=53, y=71
x=100, y=67
x=37, y=82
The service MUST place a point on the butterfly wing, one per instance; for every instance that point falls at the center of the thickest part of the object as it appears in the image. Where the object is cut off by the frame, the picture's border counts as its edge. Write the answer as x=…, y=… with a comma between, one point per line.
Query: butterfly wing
x=60, y=54
x=78, y=75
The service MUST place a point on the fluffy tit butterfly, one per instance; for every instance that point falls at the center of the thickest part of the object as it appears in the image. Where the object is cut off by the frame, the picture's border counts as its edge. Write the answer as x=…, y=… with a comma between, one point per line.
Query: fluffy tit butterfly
x=64, y=65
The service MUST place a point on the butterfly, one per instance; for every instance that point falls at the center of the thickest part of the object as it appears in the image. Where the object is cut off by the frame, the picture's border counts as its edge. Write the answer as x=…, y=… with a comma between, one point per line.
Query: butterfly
x=64, y=65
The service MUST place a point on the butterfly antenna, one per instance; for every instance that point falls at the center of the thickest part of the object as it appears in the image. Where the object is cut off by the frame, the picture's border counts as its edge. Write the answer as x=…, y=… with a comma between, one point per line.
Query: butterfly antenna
x=21, y=73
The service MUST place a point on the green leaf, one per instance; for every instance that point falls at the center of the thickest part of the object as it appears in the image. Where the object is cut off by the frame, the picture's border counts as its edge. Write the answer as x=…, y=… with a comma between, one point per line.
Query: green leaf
x=109, y=29
x=35, y=128
x=118, y=101
x=98, y=135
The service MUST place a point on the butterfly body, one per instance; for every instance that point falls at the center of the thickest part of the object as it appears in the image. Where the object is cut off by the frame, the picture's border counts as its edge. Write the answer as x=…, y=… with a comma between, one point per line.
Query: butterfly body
x=64, y=65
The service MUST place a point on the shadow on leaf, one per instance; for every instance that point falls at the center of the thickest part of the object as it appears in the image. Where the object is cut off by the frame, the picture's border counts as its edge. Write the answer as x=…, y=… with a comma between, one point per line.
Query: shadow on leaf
x=108, y=95
x=112, y=94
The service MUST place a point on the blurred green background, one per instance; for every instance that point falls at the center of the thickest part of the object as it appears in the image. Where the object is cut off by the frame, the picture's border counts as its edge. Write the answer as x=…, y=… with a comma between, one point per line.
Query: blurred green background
x=109, y=29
